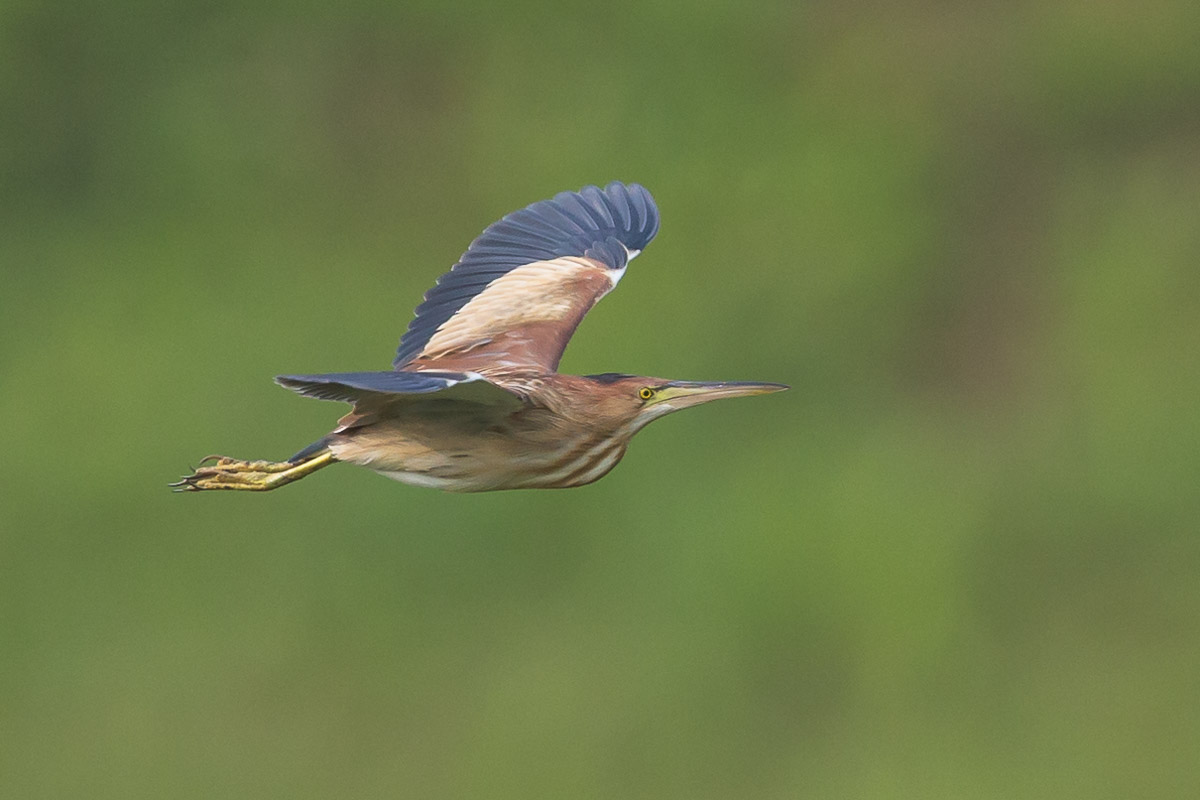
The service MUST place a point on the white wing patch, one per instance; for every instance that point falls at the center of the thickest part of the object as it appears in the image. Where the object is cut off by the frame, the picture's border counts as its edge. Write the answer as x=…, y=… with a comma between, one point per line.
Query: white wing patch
x=615, y=275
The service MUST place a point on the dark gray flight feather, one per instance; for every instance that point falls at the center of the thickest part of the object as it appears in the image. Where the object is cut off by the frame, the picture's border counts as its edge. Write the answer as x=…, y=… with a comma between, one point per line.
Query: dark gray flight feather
x=602, y=224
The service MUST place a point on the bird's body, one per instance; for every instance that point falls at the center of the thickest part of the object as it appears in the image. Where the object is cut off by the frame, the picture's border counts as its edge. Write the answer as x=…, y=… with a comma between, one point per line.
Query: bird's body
x=475, y=402
x=471, y=445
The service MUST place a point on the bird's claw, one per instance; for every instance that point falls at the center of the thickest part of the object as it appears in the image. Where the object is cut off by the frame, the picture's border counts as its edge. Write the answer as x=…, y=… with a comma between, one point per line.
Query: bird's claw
x=222, y=472
x=230, y=473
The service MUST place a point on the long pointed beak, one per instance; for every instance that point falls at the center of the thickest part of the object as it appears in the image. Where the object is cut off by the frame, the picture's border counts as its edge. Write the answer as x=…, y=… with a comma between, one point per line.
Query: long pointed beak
x=682, y=394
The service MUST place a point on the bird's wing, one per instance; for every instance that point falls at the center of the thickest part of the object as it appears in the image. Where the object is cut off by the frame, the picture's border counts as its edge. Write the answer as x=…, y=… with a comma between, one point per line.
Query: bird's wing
x=515, y=297
x=376, y=395
x=355, y=387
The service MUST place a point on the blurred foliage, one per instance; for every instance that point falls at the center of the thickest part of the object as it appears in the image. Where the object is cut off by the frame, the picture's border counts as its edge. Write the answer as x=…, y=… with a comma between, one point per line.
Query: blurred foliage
x=959, y=559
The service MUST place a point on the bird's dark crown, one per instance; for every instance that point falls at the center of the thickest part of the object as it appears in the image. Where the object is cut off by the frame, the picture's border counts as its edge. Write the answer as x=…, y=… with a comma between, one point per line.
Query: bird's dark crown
x=608, y=377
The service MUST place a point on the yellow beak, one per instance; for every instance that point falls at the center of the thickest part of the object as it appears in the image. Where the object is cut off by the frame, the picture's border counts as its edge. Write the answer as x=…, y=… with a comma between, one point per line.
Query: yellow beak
x=682, y=394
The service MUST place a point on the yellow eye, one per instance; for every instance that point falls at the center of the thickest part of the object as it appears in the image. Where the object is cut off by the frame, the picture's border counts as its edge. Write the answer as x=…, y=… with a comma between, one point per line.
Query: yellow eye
x=646, y=393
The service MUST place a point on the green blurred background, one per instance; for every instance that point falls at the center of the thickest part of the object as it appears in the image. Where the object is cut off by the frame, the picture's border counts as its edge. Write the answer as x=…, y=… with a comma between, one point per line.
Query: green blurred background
x=959, y=559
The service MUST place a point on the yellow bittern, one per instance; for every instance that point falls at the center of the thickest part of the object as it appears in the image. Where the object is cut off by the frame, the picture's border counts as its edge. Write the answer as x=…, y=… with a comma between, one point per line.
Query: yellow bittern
x=474, y=402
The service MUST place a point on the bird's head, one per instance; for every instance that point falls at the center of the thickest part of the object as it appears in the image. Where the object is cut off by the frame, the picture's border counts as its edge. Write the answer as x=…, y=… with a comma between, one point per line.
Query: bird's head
x=639, y=400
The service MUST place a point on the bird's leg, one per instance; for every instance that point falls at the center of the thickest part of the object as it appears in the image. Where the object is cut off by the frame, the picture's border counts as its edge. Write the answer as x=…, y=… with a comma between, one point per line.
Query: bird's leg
x=252, y=476
x=237, y=465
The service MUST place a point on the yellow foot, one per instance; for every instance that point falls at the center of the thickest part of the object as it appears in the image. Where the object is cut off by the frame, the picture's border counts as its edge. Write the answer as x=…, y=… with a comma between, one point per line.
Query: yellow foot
x=237, y=465
x=251, y=476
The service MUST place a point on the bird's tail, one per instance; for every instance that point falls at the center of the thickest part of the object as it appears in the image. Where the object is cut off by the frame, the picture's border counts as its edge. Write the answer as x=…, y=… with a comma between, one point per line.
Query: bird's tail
x=310, y=451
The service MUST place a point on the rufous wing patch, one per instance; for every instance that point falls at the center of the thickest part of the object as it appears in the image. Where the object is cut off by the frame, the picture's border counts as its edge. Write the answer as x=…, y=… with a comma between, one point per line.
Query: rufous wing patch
x=522, y=319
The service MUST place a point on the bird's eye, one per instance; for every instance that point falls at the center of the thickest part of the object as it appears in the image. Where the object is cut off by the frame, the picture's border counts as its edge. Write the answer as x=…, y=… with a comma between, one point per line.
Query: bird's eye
x=645, y=393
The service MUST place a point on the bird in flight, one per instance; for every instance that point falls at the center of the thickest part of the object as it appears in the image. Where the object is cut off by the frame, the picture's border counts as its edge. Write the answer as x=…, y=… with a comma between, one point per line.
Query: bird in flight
x=474, y=401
